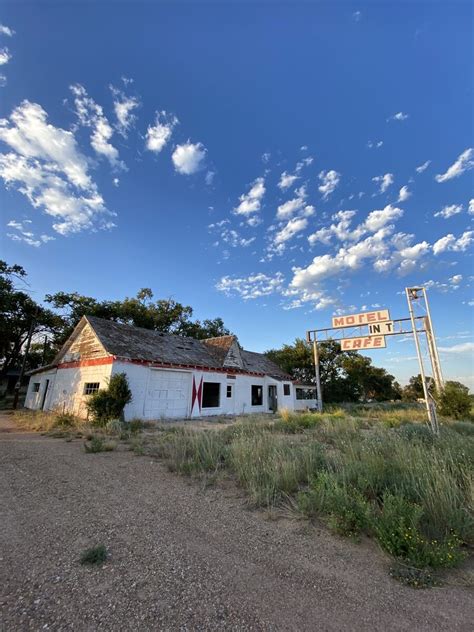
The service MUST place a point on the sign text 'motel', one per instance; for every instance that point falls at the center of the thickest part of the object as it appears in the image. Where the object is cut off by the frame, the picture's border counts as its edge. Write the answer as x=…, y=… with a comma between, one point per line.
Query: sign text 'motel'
x=354, y=320
x=369, y=342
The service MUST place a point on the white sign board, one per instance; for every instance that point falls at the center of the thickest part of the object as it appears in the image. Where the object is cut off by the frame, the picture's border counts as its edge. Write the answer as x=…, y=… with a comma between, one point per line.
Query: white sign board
x=366, y=318
x=381, y=328
x=369, y=342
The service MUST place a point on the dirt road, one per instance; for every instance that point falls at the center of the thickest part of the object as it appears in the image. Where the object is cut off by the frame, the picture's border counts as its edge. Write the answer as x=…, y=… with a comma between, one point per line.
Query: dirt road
x=181, y=557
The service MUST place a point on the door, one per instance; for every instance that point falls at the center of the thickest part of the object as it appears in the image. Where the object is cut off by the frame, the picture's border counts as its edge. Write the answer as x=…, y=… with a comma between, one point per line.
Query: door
x=167, y=394
x=43, y=401
x=272, y=398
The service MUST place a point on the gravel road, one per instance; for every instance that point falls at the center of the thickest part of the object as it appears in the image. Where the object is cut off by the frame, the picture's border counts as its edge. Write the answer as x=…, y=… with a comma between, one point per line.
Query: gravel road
x=181, y=557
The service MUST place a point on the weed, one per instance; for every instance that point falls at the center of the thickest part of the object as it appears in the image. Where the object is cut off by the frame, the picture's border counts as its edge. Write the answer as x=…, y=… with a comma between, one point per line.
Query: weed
x=413, y=577
x=94, y=556
x=98, y=444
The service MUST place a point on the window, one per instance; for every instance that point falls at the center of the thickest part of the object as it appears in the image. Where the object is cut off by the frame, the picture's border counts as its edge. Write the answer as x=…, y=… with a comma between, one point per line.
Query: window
x=305, y=393
x=36, y=387
x=91, y=387
x=211, y=394
x=229, y=390
x=286, y=389
x=257, y=395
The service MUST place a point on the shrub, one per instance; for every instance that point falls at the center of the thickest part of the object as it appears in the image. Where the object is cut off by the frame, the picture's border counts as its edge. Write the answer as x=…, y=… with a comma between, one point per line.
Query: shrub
x=98, y=444
x=94, y=556
x=346, y=509
x=270, y=467
x=413, y=577
x=109, y=403
x=188, y=451
x=397, y=528
x=135, y=426
x=65, y=420
x=454, y=401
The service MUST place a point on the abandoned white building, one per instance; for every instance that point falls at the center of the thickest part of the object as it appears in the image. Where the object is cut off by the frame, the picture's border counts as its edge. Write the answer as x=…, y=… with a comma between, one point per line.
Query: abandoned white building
x=170, y=376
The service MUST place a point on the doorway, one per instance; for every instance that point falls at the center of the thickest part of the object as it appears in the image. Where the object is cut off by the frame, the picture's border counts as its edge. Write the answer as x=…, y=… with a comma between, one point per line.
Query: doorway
x=272, y=398
x=43, y=401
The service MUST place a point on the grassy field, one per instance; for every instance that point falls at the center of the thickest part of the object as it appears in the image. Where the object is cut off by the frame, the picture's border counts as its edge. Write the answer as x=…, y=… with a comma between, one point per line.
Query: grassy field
x=361, y=470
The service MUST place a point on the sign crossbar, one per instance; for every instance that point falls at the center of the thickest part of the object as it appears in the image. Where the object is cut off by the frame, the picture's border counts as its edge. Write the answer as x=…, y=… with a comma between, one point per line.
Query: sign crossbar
x=401, y=326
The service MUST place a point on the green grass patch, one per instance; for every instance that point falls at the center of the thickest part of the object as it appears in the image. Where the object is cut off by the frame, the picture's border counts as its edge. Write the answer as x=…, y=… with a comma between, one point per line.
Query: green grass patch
x=94, y=556
x=98, y=444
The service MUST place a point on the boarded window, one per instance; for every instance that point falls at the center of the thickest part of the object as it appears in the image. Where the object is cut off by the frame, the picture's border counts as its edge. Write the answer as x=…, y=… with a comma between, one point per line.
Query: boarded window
x=229, y=390
x=286, y=389
x=257, y=395
x=211, y=394
x=305, y=393
x=36, y=387
x=91, y=387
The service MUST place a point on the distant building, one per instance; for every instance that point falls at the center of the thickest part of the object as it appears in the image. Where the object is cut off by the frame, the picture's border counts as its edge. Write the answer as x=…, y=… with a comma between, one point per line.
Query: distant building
x=169, y=376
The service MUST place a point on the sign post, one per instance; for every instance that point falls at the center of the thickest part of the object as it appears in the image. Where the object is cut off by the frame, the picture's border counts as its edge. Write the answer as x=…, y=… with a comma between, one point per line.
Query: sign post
x=369, y=330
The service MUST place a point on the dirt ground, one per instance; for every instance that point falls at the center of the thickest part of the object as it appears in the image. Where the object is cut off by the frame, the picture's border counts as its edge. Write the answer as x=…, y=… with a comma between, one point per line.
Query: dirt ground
x=182, y=557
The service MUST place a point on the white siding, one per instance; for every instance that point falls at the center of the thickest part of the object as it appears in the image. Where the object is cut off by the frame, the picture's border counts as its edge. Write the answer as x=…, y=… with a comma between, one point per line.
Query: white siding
x=34, y=398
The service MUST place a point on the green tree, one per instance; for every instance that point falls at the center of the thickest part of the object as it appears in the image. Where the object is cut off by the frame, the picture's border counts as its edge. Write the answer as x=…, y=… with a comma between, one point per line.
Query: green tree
x=109, y=403
x=346, y=376
x=17, y=311
x=163, y=315
x=454, y=401
x=414, y=389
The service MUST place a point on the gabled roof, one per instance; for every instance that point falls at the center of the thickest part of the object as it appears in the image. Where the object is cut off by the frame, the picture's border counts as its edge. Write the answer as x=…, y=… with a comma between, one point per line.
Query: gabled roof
x=136, y=343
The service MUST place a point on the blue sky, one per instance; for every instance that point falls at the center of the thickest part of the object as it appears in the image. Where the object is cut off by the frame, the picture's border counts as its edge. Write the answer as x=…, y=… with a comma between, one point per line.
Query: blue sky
x=269, y=163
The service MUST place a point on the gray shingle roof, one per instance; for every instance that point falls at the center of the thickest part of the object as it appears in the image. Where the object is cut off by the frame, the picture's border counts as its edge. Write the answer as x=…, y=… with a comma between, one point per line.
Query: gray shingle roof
x=135, y=343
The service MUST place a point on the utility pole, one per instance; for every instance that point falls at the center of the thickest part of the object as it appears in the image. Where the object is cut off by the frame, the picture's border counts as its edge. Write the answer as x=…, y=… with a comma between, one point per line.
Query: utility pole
x=23, y=364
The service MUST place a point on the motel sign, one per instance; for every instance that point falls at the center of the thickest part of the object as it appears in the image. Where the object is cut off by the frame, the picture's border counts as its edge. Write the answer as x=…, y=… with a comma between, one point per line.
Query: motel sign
x=368, y=330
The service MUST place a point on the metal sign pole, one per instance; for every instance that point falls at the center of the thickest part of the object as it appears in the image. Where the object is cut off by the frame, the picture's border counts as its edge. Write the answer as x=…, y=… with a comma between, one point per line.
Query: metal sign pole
x=434, y=355
x=412, y=295
x=317, y=374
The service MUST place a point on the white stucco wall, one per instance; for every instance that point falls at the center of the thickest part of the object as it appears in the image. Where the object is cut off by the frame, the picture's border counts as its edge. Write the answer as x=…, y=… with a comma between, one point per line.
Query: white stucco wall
x=66, y=391
x=66, y=388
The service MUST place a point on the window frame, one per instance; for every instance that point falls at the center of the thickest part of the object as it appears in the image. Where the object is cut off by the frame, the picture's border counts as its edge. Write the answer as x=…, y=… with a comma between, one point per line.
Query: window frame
x=90, y=388
x=259, y=396
x=218, y=405
x=36, y=387
x=229, y=391
x=286, y=390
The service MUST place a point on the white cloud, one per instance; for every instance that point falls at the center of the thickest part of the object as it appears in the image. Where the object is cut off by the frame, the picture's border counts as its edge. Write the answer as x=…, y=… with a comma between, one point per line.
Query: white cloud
x=251, y=202
x=189, y=158
x=342, y=229
x=465, y=347
x=374, y=144
x=47, y=167
x=159, y=134
x=30, y=135
x=24, y=234
x=423, y=167
x=383, y=181
x=289, y=208
x=330, y=180
x=6, y=30
x=91, y=115
x=209, y=178
x=266, y=158
x=470, y=208
x=116, y=182
x=377, y=219
x=230, y=236
x=463, y=163
x=450, y=243
x=399, y=116
x=251, y=287
x=5, y=56
x=286, y=180
x=356, y=16
x=3, y=81
x=449, y=211
x=403, y=194
x=294, y=226
x=123, y=107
